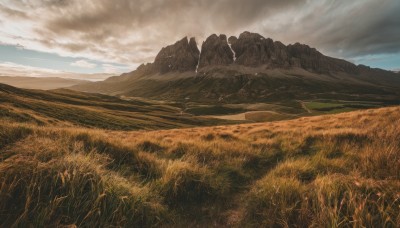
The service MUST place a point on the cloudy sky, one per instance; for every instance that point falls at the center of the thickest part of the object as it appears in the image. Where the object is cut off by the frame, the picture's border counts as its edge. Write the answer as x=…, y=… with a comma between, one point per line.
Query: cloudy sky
x=102, y=37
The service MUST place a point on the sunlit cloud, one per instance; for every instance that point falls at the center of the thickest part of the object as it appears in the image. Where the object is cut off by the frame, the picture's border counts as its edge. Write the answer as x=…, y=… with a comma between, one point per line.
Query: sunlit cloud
x=19, y=70
x=84, y=64
x=113, y=69
x=131, y=32
x=14, y=69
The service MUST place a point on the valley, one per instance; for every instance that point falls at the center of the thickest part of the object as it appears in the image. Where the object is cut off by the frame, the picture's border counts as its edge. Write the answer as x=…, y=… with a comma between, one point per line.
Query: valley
x=66, y=108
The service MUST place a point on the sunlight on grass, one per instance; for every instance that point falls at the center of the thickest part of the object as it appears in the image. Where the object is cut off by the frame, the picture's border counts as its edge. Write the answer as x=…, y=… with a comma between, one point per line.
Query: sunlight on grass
x=338, y=170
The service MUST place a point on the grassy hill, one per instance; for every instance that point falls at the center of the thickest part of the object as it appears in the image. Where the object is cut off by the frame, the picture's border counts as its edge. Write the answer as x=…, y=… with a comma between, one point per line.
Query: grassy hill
x=257, y=94
x=40, y=83
x=235, y=84
x=338, y=170
x=71, y=108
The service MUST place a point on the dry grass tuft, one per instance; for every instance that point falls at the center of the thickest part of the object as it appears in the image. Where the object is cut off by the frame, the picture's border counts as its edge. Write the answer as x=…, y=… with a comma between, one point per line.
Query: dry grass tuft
x=335, y=171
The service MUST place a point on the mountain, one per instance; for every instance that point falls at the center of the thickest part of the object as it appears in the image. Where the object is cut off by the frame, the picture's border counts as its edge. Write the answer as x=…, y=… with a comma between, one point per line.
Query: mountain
x=44, y=83
x=249, y=68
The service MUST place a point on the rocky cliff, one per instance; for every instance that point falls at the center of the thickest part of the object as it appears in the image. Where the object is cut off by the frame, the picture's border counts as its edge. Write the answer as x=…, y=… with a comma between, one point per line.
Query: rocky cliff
x=249, y=50
x=215, y=51
x=254, y=50
x=248, y=68
x=181, y=56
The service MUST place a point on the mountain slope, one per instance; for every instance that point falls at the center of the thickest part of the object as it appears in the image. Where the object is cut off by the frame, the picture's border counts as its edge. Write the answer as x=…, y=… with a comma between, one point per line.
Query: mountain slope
x=251, y=69
x=40, y=83
x=71, y=108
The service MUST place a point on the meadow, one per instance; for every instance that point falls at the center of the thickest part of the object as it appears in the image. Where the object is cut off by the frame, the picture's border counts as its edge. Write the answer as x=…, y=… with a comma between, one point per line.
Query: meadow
x=339, y=170
x=66, y=108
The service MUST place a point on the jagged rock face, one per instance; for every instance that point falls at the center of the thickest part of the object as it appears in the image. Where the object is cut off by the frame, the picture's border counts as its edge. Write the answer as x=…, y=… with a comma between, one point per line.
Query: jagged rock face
x=310, y=59
x=250, y=49
x=144, y=69
x=181, y=56
x=215, y=51
x=254, y=50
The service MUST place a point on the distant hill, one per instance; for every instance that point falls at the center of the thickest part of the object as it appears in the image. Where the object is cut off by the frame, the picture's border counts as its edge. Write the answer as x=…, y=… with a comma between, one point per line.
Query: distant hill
x=249, y=68
x=40, y=83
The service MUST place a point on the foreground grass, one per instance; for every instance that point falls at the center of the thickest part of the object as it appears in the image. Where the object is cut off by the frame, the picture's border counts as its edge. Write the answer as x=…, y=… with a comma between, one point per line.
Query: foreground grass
x=331, y=171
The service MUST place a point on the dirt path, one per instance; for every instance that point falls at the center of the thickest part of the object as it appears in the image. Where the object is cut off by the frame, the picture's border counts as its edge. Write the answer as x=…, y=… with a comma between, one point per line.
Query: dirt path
x=234, y=212
x=304, y=106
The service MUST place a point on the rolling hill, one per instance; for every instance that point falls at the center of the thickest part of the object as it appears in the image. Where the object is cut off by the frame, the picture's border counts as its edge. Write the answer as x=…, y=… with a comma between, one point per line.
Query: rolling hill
x=45, y=83
x=338, y=170
x=70, y=108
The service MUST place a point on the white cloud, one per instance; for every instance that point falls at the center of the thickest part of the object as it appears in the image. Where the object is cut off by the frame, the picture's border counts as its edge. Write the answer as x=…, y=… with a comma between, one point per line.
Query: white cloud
x=127, y=32
x=83, y=64
x=113, y=69
x=18, y=70
x=14, y=69
x=108, y=68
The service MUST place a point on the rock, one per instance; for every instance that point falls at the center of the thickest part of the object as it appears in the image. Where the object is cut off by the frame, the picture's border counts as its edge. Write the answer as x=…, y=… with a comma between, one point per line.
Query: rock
x=215, y=51
x=250, y=50
x=254, y=50
x=232, y=40
x=144, y=69
x=310, y=59
x=181, y=56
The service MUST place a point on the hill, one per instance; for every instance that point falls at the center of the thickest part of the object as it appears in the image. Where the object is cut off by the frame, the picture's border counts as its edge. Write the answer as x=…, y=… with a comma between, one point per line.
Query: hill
x=338, y=170
x=40, y=83
x=249, y=69
x=63, y=108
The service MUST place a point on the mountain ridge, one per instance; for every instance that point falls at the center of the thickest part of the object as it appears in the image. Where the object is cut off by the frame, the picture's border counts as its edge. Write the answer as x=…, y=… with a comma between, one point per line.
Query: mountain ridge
x=249, y=49
x=228, y=68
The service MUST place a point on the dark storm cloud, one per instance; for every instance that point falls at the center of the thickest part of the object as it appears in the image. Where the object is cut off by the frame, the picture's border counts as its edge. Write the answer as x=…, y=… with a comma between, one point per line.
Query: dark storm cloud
x=103, y=18
x=351, y=29
x=144, y=26
x=132, y=31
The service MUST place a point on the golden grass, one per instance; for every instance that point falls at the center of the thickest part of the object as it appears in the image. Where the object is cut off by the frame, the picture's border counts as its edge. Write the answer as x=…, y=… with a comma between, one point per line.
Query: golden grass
x=331, y=171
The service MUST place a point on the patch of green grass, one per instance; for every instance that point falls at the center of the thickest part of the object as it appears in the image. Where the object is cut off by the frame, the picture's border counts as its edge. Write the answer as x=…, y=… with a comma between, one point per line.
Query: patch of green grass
x=213, y=110
x=322, y=106
x=340, y=110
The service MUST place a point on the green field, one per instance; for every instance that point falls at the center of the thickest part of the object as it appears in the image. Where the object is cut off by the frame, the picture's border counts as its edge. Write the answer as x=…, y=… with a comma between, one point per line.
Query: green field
x=266, y=112
x=320, y=105
x=332, y=107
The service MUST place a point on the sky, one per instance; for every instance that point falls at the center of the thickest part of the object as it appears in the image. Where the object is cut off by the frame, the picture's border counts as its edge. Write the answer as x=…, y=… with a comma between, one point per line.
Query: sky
x=93, y=39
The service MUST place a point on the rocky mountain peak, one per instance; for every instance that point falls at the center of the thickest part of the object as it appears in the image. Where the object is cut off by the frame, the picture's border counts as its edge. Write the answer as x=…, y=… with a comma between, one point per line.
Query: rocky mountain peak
x=252, y=49
x=308, y=58
x=250, y=35
x=181, y=56
x=249, y=49
x=215, y=51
